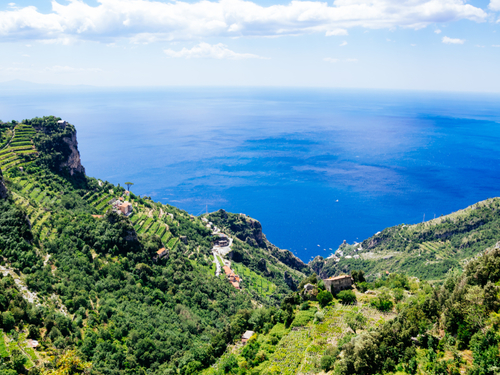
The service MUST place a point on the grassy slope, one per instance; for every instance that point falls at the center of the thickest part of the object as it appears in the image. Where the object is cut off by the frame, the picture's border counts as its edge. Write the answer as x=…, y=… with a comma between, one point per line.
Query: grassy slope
x=427, y=250
x=301, y=346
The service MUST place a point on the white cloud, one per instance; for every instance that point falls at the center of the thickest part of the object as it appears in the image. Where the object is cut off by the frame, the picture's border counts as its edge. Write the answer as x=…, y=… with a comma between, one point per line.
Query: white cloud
x=344, y=43
x=25, y=55
x=145, y=21
x=494, y=5
x=210, y=51
x=447, y=40
x=413, y=44
x=479, y=46
x=496, y=45
x=337, y=32
x=437, y=31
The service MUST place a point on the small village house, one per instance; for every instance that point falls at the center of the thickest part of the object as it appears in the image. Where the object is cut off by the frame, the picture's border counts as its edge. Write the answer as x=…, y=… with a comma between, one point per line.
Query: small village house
x=160, y=254
x=246, y=336
x=222, y=240
x=338, y=283
x=125, y=208
x=233, y=278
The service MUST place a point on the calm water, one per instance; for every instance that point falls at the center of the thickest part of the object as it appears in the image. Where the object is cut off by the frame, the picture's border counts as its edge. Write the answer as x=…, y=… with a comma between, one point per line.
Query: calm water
x=314, y=166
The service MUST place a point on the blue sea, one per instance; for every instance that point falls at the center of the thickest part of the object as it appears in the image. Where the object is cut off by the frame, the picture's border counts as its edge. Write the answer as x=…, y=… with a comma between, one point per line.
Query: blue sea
x=314, y=166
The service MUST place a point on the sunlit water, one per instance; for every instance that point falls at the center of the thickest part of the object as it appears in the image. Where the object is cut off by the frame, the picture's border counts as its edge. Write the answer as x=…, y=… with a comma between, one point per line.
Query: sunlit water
x=314, y=166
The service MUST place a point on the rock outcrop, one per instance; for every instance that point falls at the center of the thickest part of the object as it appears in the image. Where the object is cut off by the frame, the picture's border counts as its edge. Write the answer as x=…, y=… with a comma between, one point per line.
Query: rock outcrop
x=73, y=163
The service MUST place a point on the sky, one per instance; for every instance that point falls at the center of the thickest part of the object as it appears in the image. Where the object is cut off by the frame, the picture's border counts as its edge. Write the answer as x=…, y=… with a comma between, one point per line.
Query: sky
x=448, y=45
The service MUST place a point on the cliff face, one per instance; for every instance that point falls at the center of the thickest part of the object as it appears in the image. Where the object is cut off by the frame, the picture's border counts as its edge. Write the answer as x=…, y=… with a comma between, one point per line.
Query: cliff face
x=249, y=230
x=73, y=162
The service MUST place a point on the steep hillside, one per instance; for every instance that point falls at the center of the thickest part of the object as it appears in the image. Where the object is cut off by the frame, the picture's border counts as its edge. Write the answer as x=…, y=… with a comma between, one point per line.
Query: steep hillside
x=252, y=248
x=427, y=250
x=121, y=293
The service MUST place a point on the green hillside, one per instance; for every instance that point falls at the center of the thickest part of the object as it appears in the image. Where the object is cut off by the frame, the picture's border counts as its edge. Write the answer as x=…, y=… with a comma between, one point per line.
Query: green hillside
x=427, y=250
x=102, y=293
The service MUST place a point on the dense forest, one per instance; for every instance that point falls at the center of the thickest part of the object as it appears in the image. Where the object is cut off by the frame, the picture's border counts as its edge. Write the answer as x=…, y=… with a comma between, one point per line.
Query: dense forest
x=89, y=287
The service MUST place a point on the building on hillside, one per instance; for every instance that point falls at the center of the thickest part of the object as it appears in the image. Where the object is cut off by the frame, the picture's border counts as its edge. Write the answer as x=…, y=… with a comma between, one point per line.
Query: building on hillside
x=160, y=254
x=246, y=336
x=33, y=343
x=338, y=283
x=233, y=278
x=222, y=240
x=125, y=208
x=62, y=123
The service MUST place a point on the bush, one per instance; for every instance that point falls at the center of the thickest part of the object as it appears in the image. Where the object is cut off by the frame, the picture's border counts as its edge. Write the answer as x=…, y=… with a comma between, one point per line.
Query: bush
x=319, y=316
x=327, y=362
x=382, y=302
x=324, y=298
x=346, y=296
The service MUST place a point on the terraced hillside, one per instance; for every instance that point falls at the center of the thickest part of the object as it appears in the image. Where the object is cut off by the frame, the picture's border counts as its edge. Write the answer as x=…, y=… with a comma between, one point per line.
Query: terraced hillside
x=64, y=238
x=298, y=348
x=18, y=149
x=427, y=250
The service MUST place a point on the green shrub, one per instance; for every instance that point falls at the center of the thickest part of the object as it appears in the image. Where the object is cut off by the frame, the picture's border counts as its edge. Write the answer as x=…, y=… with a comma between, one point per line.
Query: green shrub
x=327, y=362
x=324, y=298
x=347, y=296
x=382, y=302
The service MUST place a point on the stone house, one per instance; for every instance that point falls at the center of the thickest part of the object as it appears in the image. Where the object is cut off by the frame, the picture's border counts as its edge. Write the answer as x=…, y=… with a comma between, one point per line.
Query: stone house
x=125, y=208
x=160, y=254
x=338, y=283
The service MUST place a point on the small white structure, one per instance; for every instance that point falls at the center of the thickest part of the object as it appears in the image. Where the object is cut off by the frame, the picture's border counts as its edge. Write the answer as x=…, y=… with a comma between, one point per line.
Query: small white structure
x=62, y=123
x=33, y=343
x=308, y=287
x=246, y=336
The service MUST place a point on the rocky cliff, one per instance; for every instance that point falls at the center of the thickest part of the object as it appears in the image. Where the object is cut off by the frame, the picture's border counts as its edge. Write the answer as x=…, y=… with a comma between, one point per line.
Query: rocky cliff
x=249, y=230
x=73, y=162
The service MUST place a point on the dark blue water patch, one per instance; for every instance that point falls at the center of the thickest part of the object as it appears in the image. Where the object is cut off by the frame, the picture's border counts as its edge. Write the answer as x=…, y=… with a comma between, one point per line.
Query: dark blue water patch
x=315, y=166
